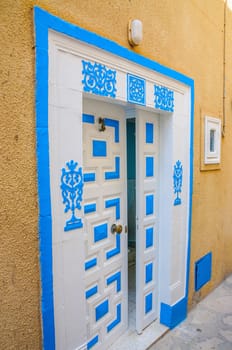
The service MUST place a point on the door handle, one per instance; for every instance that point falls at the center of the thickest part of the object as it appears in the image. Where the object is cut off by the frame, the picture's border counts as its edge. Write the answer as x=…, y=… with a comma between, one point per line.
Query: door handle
x=116, y=228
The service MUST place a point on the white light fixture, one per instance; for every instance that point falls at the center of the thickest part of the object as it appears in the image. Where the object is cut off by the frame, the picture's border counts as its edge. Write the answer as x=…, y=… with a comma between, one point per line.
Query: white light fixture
x=135, y=32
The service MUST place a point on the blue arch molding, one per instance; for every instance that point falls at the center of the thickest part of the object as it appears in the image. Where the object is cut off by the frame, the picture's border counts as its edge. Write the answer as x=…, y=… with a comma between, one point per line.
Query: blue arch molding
x=44, y=21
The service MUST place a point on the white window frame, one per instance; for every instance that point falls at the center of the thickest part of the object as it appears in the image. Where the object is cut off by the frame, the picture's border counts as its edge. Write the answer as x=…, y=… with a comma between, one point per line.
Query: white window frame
x=212, y=156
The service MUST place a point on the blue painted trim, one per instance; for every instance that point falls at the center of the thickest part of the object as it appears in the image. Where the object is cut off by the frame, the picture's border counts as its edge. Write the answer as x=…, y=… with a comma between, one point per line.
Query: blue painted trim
x=115, y=278
x=117, y=319
x=43, y=22
x=52, y=22
x=88, y=118
x=114, y=203
x=191, y=85
x=116, y=250
x=89, y=208
x=90, y=292
x=90, y=263
x=112, y=175
x=114, y=124
x=101, y=310
x=203, y=271
x=171, y=316
x=89, y=177
x=43, y=169
x=92, y=342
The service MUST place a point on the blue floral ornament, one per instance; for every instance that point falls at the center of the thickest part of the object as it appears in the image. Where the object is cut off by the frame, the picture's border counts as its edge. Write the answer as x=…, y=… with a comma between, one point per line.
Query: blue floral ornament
x=72, y=190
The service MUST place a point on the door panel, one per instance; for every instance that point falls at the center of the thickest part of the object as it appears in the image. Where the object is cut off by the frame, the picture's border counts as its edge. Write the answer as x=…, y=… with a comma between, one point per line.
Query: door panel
x=104, y=205
x=147, y=132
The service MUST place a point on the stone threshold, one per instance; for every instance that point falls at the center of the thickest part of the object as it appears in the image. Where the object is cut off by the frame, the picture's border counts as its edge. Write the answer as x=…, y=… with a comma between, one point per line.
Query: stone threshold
x=130, y=340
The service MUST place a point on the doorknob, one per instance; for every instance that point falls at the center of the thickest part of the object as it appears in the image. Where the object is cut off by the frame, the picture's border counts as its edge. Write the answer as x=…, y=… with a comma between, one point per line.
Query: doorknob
x=116, y=228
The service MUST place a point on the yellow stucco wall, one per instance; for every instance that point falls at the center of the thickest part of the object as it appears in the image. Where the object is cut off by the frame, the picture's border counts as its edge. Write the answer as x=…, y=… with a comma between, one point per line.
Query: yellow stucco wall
x=184, y=35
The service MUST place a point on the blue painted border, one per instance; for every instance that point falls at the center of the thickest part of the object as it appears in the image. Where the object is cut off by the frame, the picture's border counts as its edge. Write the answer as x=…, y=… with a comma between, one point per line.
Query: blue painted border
x=116, y=277
x=171, y=316
x=92, y=342
x=90, y=263
x=114, y=124
x=42, y=150
x=43, y=22
x=117, y=319
x=90, y=292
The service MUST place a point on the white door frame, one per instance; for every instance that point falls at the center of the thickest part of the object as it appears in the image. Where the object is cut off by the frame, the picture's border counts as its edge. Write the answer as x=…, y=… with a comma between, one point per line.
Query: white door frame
x=59, y=90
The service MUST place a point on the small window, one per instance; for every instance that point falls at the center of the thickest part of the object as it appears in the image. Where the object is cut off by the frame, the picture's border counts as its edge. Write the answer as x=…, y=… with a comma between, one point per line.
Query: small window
x=212, y=140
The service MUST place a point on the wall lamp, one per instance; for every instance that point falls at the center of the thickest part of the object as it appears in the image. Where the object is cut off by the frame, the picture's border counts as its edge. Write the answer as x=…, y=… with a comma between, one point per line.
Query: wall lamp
x=135, y=32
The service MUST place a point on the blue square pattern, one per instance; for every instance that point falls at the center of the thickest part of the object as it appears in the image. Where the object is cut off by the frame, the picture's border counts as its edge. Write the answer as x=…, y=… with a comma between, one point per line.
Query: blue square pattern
x=100, y=232
x=148, y=272
x=148, y=303
x=136, y=89
x=99, y=148
x=149, y=204
x=149, y=133
x=203, y=270
x=149, y=237
x=102, y=309
x=149, y=166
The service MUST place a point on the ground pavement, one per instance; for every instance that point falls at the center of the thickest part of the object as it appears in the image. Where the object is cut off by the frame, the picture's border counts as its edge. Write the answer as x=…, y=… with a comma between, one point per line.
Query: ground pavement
x=208, y=326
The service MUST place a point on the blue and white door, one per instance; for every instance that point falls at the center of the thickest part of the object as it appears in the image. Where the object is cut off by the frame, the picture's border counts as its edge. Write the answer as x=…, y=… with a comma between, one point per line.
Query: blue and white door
x=82, y=262
x=105, y=213
x=104, y=222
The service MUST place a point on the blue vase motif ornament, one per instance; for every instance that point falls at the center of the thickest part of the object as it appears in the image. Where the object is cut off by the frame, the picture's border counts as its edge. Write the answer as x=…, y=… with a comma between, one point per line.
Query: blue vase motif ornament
x=72, y=190
x=177, y=181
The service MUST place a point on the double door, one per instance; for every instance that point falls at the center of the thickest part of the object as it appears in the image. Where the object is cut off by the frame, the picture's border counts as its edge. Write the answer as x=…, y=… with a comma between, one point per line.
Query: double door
x=105, y=220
